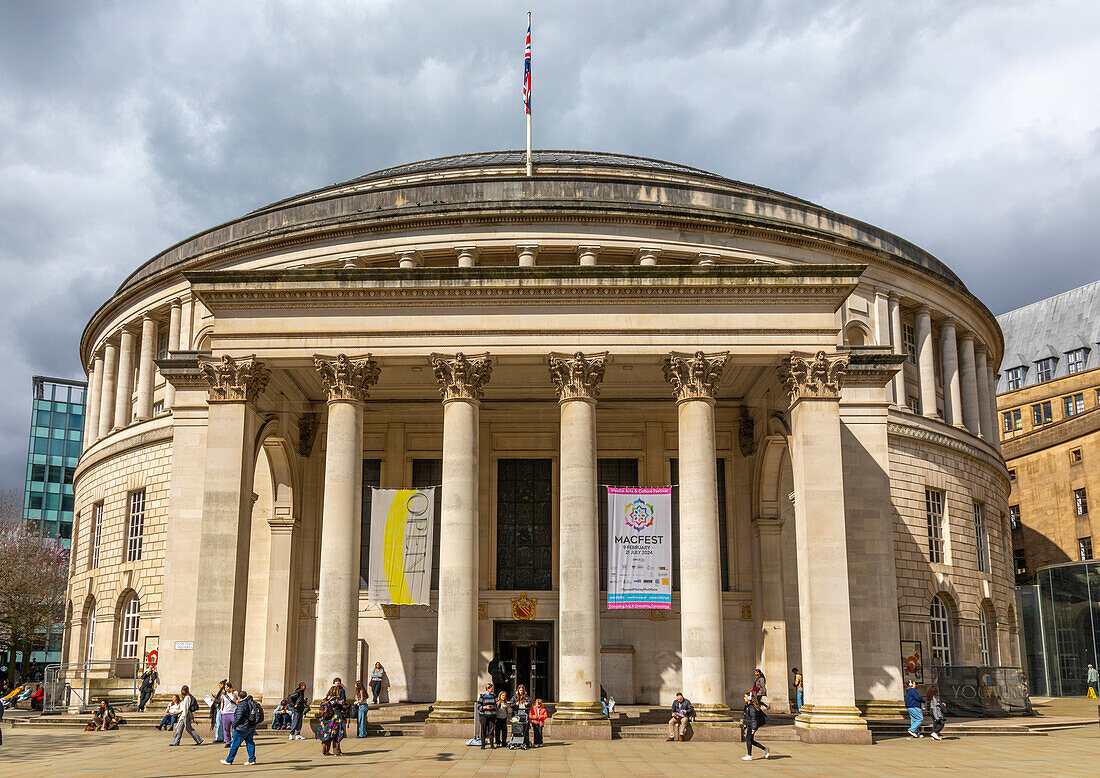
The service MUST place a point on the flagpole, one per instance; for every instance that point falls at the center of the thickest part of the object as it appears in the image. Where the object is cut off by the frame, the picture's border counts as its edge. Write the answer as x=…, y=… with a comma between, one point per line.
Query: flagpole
x=529, y=113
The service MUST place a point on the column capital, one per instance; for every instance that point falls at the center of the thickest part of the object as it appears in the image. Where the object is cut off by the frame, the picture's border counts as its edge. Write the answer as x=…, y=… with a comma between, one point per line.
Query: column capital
x=893, y=296
x=467, y=255
x=175, y=302
x=461, y=377
x=980, y=349
x=817, y=375
x=923, y=309
x=706, y=258
x=347, y=378
x=695, y=376
x=949, y=322
x=234, y=380
x=408, y=258
x=964, y=335
x=647, y=255
x=577, y=376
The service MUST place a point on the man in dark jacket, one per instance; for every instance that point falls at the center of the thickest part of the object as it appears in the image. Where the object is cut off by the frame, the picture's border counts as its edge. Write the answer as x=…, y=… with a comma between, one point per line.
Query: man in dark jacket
x=486, y=715
x=298, y=703
x=682, y=713
x=498, y=671
x=149, y=681
x=244, y=731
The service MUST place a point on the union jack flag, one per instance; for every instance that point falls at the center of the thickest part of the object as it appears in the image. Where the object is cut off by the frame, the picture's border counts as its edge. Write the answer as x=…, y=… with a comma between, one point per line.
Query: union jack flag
x=527, y=72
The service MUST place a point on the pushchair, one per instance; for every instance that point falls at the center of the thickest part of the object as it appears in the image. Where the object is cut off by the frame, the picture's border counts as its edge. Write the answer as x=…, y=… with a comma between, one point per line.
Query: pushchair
x=517, y=738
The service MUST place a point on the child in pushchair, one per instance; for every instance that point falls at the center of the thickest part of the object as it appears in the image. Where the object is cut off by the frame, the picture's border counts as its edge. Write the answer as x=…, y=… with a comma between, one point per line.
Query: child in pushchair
x=518, y=738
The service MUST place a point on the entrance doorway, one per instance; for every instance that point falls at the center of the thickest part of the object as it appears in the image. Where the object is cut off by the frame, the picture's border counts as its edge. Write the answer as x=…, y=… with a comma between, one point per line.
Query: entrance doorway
x=526, y=648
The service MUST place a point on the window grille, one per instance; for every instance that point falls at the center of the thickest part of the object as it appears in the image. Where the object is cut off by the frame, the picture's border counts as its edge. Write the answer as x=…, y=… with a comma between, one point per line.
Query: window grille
x=980, y=537
x=135, y=526
x=941, y=639
x=97, y=533
x=933, y=503
x=131, y=616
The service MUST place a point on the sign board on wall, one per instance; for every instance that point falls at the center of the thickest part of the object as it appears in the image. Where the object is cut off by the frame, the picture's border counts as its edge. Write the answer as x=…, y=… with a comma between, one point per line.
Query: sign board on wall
x=639, y=548
x=912, y=662
x=400, y=564
x=185, y=645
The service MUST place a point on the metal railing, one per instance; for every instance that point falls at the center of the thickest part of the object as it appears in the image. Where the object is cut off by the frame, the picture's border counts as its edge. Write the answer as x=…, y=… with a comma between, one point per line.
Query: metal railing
x=77, y=688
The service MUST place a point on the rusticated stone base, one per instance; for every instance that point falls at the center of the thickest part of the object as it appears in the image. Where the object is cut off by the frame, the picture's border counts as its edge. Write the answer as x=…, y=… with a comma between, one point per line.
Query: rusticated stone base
x=450, y=719
x=832, y=724
x=712, y=713
x=881, y=709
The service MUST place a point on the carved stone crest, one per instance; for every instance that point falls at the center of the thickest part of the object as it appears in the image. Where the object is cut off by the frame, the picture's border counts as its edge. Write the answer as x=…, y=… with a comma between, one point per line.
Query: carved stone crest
x=695, y=376
x=347, y=378
x=523, y=608
x=579, y=375
x=234, y=380
x=461, y=377
x=817, y=375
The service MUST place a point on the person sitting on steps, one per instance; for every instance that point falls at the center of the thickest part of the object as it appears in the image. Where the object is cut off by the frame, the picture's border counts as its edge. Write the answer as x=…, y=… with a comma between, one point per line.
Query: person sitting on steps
x=682, y=713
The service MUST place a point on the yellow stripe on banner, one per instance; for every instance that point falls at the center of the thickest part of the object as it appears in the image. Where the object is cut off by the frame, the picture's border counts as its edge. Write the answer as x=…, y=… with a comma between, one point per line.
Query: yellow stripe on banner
x=393, y=548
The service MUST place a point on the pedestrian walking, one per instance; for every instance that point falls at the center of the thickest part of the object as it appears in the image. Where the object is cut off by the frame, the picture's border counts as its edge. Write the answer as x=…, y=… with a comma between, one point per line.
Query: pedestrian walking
x=798, y=682
x=682, y=711
x=186, y=720
x=486, y=716
x=215, y=703
x=760, y=688
x=229, y=710
x=331, y=730
x=376, y=676
x=538, y=721
x=1092, y=678
x=914, y=704
x=245, y=718
x=361, y=709
x=500, y=726
x=937, y=706
x=149, y=681
x=299, y=704
x=753, y=719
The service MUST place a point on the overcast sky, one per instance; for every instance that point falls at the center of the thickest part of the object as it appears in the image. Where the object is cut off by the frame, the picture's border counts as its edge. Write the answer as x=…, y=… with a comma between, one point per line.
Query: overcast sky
x=970, y=128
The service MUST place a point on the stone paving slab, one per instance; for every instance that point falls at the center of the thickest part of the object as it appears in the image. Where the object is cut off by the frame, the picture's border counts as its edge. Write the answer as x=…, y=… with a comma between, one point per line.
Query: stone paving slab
x=140, y=752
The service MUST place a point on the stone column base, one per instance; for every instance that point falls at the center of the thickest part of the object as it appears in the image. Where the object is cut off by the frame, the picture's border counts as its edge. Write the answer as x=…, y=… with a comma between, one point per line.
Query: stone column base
x=712, y=714
x=832, y=724
x=450, y=719
x=881, y=708
x=579, y=721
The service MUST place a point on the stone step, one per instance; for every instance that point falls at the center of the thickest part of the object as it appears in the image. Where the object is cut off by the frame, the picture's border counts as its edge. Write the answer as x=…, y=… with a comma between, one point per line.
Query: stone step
x=768, y=734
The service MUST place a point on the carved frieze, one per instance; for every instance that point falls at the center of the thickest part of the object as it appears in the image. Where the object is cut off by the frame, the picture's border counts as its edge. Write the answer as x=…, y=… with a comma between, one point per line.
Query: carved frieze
x=347, y=378
x=234, y=380
x=461, y=377
x=579, y=375
x=695, y=376
x=308, y=424
x=813, y=375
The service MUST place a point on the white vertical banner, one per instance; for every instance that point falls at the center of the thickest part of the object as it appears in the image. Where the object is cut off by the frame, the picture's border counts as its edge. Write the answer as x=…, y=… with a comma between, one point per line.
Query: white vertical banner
x=639, y=548
x=401, y=526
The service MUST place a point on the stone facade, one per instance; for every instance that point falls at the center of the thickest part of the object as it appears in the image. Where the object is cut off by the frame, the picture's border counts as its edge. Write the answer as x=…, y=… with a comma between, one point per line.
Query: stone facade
x=623, y=322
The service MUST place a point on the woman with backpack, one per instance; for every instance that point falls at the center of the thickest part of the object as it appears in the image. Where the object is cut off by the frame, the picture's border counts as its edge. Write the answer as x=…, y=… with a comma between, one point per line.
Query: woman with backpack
x=752, y=719
x=186, y=721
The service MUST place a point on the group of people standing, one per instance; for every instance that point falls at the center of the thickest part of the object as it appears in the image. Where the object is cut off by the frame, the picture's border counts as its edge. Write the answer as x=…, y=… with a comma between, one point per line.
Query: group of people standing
x=498, y=716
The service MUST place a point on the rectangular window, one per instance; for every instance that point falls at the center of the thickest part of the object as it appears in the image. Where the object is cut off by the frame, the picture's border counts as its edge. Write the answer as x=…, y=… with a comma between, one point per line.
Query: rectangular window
x=914, y=405
x=1015, y=378
x=1084, y=548
x=933, y=502
x=1075, y=456
x=1019, y=556
x=909, y=338
x=1080, y=501
x=158, y=407
x=97, y=534
x=723, y=551
x=611, y=472
x=1014, y=516
x=135, y=525
x=1013, y=420
x=429, y=472
x=1012, y=475
x=1071, y=406
x=1044, y=369
x=162, y=343
x=524, y=524
x=1075, y=360
x=372, y=476
x=1041, y=414
x=980, y=537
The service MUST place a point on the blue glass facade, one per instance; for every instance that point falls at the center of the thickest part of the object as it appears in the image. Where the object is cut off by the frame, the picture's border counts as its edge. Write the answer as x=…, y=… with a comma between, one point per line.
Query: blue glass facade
x=57, y=431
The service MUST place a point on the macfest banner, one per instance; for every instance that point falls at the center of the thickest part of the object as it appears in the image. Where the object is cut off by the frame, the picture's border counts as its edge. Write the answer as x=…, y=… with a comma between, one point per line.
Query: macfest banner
x=401, y=526
x=639, y=548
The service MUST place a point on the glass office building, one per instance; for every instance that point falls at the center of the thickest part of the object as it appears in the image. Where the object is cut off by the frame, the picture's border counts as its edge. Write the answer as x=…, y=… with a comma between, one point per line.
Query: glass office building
x=57, y=431
x=1060, y=620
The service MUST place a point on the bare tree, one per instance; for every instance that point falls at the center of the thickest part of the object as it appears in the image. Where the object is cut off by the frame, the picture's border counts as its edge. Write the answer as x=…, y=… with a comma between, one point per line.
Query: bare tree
x=34, y=572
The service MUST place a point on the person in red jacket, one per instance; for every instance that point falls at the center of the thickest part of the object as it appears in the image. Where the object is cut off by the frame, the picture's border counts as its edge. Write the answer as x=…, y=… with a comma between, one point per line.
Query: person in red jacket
x=37, y=697
x=538, y=721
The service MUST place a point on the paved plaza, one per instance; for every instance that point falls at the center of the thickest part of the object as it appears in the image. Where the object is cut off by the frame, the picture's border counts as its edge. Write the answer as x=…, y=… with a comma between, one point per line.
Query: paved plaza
x=142, y=752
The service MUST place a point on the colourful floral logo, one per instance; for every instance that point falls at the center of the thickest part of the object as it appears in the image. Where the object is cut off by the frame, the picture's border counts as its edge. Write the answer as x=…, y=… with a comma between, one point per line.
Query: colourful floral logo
x=639, y=514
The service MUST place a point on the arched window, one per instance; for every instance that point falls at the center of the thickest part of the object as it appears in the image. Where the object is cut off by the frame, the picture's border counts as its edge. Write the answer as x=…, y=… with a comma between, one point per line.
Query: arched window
x=983, y=635
x=89, y=630
x=131, y=616
x=941, y=633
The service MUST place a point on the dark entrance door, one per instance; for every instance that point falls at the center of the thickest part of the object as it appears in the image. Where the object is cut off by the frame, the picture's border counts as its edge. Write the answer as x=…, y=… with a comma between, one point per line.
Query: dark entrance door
x=526, y=648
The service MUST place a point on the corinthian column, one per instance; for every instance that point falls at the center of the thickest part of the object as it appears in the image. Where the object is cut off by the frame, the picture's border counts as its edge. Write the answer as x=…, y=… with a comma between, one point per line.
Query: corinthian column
x=830, y=713
x=694, y=379
x=233, y=385
x=462, y=381
x=579, y=713
x=347, y=382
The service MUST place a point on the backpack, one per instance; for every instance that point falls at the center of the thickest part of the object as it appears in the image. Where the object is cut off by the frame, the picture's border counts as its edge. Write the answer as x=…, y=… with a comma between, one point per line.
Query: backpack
x=255, y=714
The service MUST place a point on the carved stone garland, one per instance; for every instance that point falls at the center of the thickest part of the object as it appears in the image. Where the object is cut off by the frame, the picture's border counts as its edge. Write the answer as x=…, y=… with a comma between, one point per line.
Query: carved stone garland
x=577, y=376
x=347, y=378
x=695, y=376
x=234, y=380
x=818, y=375
x=461, y=377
